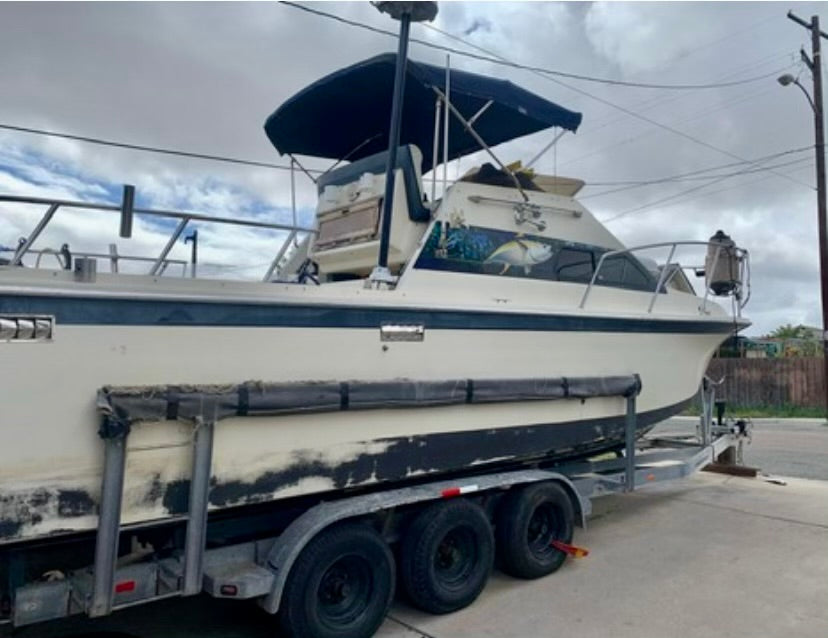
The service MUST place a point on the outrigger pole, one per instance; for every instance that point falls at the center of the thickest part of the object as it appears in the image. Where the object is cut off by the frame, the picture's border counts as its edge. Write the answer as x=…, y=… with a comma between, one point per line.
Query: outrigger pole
x=405, y=12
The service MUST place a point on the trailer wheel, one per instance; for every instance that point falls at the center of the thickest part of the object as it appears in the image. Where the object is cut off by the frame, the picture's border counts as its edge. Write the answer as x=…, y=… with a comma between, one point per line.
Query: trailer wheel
x=447, y=555
x=341, y=585
x=528, y=520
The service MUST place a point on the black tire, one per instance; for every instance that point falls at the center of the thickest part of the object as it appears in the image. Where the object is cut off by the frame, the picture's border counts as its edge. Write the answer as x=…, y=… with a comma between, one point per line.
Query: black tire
x=528, y=520
x=341, y=586
x=447, y=556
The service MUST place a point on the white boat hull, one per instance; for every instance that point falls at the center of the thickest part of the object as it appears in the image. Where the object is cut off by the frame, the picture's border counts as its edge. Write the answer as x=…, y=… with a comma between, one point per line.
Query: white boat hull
x=50, y=476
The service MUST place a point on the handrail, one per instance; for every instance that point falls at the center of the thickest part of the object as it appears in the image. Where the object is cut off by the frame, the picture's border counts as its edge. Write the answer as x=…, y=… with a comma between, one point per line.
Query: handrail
x=110, y=256
x=160, y=262
x=663, y=275
x=173, y=214
x=44, y=221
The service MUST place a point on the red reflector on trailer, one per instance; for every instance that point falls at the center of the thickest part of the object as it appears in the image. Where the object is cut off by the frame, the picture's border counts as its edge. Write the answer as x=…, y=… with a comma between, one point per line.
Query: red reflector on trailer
x=124, y=586
x=457, y=491
x=575, y=552
x=229, y=590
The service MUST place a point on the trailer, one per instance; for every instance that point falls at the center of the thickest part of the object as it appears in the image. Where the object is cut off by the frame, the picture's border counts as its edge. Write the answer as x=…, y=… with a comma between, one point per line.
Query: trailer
x=330, y=570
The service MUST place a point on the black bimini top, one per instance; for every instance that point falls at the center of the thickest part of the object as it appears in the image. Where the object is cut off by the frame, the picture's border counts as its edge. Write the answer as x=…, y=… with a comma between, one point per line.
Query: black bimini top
x=351, y=109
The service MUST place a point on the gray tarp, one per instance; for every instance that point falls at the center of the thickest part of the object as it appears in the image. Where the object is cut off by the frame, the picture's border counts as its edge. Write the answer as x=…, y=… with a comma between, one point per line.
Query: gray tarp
x=121, y=406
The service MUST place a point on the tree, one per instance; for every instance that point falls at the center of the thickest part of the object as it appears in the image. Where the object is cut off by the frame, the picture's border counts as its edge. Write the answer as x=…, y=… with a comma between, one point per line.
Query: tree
x=791, y=332
x=797, y=341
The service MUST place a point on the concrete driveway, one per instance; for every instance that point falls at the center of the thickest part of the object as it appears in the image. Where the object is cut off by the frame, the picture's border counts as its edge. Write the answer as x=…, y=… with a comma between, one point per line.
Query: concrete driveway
x=712, y=556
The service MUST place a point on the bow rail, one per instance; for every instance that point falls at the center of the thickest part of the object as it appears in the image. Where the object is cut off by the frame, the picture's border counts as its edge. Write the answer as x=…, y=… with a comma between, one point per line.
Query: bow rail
x=668, y=272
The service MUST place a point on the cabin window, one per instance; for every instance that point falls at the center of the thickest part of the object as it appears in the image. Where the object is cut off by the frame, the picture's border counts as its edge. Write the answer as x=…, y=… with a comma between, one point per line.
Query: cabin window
x=623, y=272
x=575, y=265
x=487, y=251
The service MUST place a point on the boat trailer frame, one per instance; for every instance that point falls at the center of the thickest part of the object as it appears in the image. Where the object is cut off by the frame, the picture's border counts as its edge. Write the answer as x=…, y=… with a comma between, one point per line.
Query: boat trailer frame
x=259, y=569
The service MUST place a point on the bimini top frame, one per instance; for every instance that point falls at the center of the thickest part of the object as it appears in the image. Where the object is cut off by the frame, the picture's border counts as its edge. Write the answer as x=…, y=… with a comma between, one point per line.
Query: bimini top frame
x=357, y=126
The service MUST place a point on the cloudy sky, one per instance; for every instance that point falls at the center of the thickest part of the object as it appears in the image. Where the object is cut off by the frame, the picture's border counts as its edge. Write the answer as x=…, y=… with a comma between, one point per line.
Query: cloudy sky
x=203, y=77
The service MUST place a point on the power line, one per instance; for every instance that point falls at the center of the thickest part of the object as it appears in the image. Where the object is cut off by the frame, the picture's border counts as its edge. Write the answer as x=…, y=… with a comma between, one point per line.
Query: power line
x=256, y=163
x=662, y=99
x=730, y=35
x=716, y=178
x=714, y=192
x=99, y=141
x=747, y=171
x=525, y=67
x=701, y=170
x=640, y=136
x=152, y=149
x=632, y=113
x=649, y=103
x=148, y=149
x=663, y=200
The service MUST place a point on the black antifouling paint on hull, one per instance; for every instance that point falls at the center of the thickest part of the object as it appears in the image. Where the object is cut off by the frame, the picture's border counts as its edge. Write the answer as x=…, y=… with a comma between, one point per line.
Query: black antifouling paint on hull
x=429, y=456
x=432, y=454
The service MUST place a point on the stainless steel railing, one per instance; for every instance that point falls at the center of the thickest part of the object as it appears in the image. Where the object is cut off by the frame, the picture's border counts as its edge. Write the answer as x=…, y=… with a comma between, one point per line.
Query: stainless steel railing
x=670, y=270
x=113, y=256
x=160, y=262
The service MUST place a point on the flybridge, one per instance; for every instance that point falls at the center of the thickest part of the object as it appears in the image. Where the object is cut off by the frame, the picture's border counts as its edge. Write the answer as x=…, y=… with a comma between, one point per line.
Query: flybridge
x=490, y=112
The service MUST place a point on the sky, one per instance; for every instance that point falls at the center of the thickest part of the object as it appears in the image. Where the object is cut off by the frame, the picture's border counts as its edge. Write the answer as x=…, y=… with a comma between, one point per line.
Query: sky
x=203, y=77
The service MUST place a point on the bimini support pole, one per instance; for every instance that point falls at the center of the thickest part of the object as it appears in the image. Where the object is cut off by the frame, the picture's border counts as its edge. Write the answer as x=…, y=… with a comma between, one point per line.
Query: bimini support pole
x=446, y=122
x=405, y=12
x=438, y=106
x=467, y=126
x=546, y=148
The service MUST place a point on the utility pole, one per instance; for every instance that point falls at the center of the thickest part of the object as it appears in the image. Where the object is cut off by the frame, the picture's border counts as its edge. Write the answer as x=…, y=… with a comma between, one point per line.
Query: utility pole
x=815, y=65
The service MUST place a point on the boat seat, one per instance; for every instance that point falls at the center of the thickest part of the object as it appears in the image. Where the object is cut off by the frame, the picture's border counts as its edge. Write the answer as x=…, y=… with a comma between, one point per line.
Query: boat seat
x=376, y=165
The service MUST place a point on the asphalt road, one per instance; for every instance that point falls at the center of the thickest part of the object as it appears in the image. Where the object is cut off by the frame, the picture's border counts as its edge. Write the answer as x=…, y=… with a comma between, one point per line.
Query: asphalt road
x=794, y=448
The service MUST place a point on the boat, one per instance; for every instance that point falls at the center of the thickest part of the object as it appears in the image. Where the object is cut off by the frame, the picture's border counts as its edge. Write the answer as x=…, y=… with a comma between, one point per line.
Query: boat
x=501, y=329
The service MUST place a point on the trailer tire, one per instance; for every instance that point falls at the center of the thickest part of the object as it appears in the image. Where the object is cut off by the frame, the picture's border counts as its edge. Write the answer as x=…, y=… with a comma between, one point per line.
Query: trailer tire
x=528, y=520
x=341, y=585
x=447, y=555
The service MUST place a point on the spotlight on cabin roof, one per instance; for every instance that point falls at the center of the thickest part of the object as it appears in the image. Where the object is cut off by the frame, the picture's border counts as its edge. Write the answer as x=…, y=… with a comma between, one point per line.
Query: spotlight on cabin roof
x=419, y=11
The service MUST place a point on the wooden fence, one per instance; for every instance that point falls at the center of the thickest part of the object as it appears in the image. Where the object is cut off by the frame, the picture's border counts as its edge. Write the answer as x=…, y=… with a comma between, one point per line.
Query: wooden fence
x=795, y=381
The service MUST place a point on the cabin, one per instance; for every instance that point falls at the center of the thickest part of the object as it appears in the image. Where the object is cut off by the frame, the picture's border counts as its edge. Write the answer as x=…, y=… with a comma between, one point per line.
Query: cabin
x=496, y=219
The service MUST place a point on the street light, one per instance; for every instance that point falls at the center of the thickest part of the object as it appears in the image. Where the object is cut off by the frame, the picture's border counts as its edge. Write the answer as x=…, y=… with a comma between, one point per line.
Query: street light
x=787, y=79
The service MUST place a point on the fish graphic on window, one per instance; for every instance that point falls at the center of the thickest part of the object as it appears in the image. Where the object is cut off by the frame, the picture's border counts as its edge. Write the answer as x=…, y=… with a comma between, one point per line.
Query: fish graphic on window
x=520, y=253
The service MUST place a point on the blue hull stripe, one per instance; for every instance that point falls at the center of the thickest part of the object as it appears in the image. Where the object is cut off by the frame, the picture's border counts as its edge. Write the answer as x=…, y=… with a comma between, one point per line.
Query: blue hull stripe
x=137, y=312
